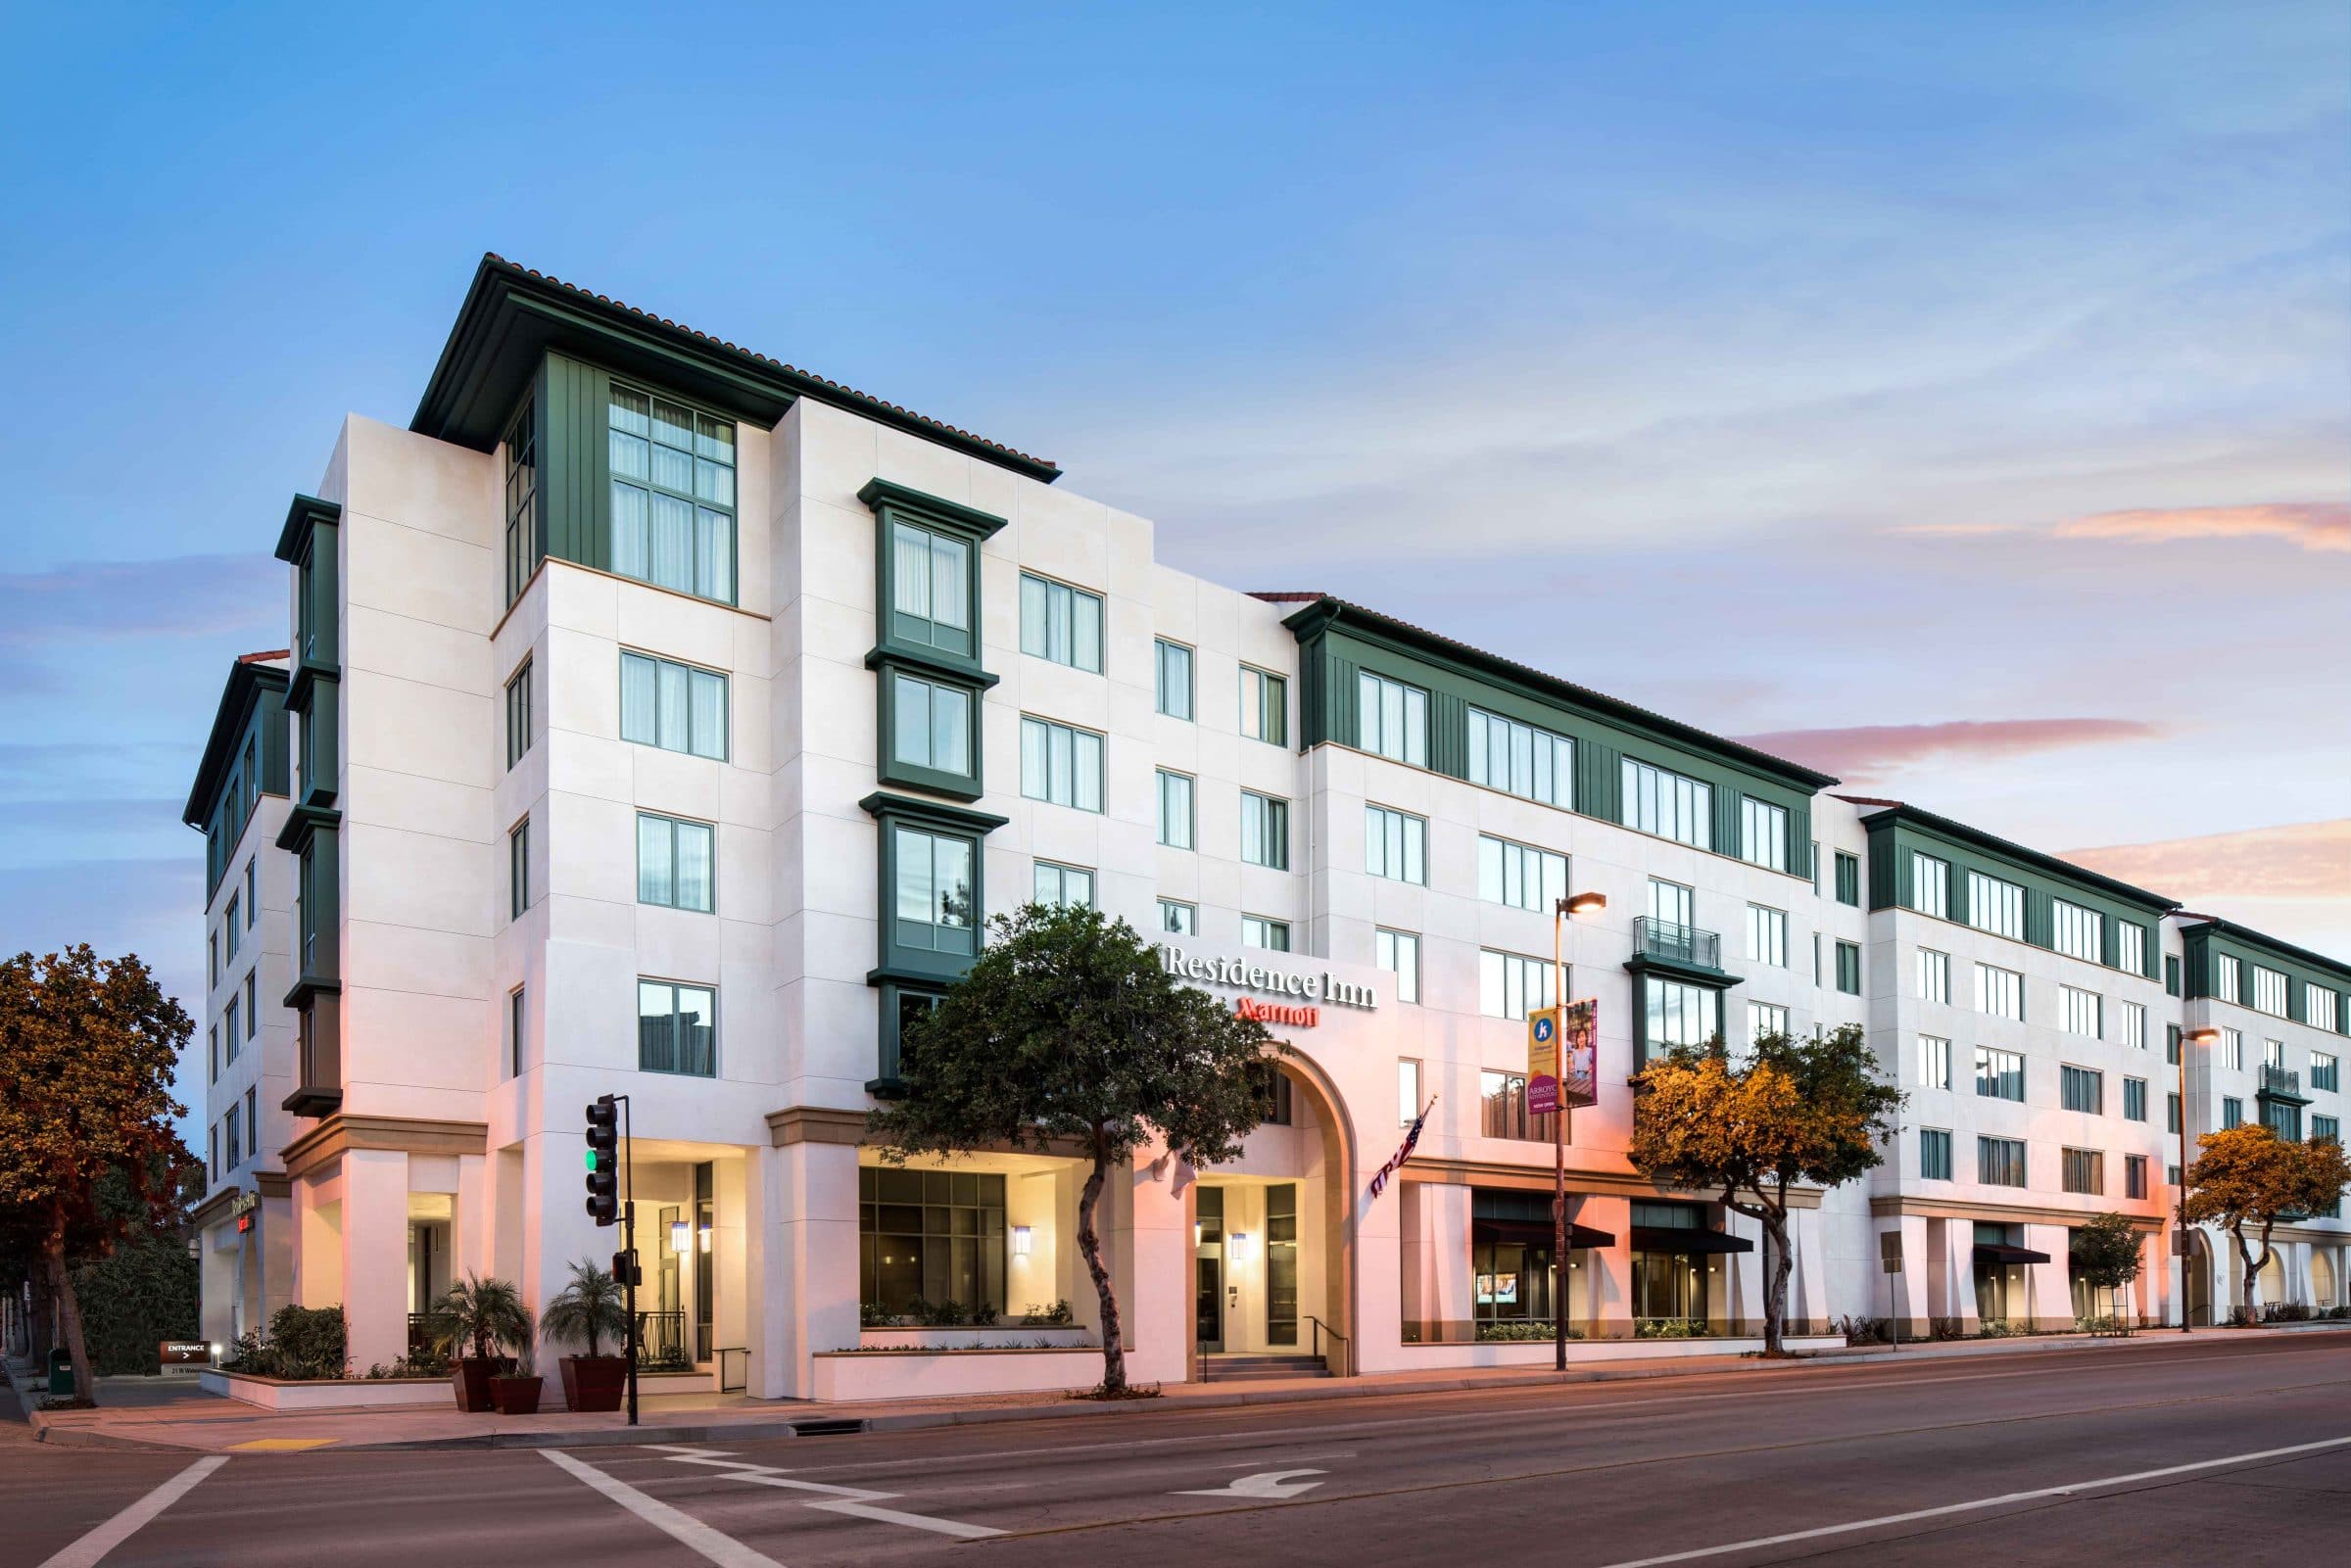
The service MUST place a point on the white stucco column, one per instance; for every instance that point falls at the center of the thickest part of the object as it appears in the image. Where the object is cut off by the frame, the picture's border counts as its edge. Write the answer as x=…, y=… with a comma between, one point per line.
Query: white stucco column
x=1155, y=1273
x=1434, y=1259
x=809, y=1276
x=376, y=1256
x=1908, y=1298
x=1957, y=1260
x=469, y=1251
x=2049, y=1288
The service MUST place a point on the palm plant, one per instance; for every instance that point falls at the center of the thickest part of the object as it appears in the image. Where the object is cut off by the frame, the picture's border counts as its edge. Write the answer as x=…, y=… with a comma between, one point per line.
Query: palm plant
x=588, y=1309
x=483, y=1313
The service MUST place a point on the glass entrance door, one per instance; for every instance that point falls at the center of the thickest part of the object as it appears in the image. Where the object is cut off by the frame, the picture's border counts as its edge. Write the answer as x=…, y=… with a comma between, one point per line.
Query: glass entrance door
x=1207, y=1309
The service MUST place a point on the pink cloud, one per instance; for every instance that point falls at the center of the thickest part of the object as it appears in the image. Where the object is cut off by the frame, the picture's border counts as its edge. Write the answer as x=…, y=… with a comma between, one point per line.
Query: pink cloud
x=2311, y=525
x=2304, y=860
x=1873, y=751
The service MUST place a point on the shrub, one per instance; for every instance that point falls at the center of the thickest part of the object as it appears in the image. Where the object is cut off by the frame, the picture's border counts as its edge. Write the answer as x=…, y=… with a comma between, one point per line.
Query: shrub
x=1058, y=1316
x=2000, y=1328
x=1671, y=1328
x=143, y=1293
x=1946, y=1328
x=1514, y=1329
x=303, y=1343
x=1866, y=1330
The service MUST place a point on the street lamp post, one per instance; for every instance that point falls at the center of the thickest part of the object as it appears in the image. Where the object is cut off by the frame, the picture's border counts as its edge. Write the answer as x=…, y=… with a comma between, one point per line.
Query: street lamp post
x=1562, y=911
x=2190, y=1039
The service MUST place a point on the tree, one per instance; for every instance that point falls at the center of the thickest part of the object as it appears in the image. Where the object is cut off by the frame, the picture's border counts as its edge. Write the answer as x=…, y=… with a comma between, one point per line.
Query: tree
x=1067, y=1030
x=86, y=1054
x=592, y=1308
x=2247, y=1178
x=1811, y=1110
x=479, y=1314
x=2105, y=1252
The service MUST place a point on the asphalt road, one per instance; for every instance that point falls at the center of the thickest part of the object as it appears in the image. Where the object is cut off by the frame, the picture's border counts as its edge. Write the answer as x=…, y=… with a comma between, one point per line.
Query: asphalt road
x=2201, y=1452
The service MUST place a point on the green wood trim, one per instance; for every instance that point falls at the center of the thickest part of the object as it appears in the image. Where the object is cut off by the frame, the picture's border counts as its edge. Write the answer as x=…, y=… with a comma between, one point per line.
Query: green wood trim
x=252, y=701
x=896, y=960
x=930, y=662
x=931, y=813
x=2213, y=938
x=913, y=776
x=303, y=514
x=932, y=510
x=1713, y=979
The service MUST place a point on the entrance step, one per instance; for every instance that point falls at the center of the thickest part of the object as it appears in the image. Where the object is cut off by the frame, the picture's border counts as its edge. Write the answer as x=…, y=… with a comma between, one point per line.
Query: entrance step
x=1239, y=1367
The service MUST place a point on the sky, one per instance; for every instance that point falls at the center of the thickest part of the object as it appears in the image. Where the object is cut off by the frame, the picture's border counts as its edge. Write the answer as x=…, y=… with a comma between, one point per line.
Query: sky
x=1955, y=397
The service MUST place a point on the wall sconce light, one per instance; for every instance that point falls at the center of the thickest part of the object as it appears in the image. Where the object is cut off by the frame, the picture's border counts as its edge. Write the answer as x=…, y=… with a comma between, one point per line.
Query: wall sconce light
x=679, y=1242
x=1240, y=1246
x=1020, y=1241
x=705, y=1238
x=1196, y=1232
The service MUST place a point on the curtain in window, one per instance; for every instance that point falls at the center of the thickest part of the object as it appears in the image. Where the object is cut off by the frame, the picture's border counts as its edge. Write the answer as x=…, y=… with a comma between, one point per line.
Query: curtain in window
x=910, y=571
x=709, y=714
x=657, y=871
x=672, y=564
x=948, y=558
x=714, y=555
x=950, y=730
x=694, y=866
x=631, y=538
x=676, y=712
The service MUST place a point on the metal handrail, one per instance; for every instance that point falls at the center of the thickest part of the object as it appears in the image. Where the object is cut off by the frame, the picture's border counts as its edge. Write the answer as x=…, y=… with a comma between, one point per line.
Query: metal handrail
x=1322, y=1328
x=2289, y=1079
x=1687, y=944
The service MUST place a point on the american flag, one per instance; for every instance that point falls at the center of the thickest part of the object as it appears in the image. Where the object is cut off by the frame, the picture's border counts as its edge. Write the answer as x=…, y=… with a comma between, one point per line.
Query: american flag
x=1404, y=1151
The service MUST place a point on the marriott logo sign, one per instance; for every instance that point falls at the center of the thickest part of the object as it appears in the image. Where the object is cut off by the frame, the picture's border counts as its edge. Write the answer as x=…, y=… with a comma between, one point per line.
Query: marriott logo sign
x=1244, y=975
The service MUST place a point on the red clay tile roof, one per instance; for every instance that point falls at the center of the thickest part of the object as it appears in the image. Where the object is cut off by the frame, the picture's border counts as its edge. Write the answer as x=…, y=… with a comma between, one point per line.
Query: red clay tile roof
x=752, y=354
x=265, y=656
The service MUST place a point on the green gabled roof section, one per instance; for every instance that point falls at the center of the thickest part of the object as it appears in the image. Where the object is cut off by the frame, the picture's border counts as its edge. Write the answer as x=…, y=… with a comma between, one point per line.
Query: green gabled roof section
x=2282, y=954
x=1325, y=612
x=512, y=317
x=304, y=513
x=1890, y=813
x=252, y=679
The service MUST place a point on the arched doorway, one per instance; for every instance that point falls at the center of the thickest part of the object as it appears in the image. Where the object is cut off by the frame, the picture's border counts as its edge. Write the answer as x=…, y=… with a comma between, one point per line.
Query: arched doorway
x=2323, y=1285
x=1272, y=1280
x=2273, y=1280
x=2199, y=1280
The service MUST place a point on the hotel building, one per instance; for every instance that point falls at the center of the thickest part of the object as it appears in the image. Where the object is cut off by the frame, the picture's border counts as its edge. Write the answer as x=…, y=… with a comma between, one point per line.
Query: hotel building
x=660, y=719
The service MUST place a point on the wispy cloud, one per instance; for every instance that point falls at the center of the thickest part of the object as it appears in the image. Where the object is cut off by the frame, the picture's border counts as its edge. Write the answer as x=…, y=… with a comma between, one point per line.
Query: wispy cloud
x=2304, y=860
x=183, y=595
x=2307, y=525
x=1873, y=751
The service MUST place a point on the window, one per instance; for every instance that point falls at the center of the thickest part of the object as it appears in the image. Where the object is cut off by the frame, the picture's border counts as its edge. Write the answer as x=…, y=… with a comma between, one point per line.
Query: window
x=518, y=869
x=930, y=588
x=1762, y=834
x=252, y=1013
x=228, y=1137
x=1060, y=765
x=1179, y=919
x=519, y=714
x=2319, y=1005
x=676, y=1028
x=930, y=729
x=1264, y=830
x=1672, y=903
x=1674, y=1014
x=674, y=706
x=2232, y=1050
x=1767, y=936
x=1391, y=718
x=1848, y=968
x=253, y=1122
x=2134, y=1175
x=212, y=1040
x=526, y=540
x=2081, y=1010
x=2269, y=991
x=1507, y=755
x=1408, y=1091
x=936, y=1237
x=229, y=1027
x=1175, y=810
x=2134, y=1099
x=230, y=929
x=1848, y=878
x=1399, y=953
x=2171, y=975
x=1999, y=1075
x=211, y=1150
x=1669, y=805
x=1933, y=1154
x=1174, y=680
x=2326, y=1129
x=2232, y=1112
x=1519, y=875
x=2272, y=1054
x=2000, y=993
x=1061, y=624
x=2324, y=1071
x=2134, y=1017
x=1062, y=887
x=2000, y=1162
x=673, y=495
x=1933, y=975
x=253, y=907
x=2082, y=1089
x=2171, y=1045
x=2080, y=932
x=1511, y=986
x=1765, y=1018
x=934, y=900
x=675, y=863
x=2084, y=1170
x=1264, y=706
x=1395, y=845
x=2130, y=947
x=1931, y=885
x=1934, y=1061
x=1503, y=1113
x=2227, y=977
x=1995, y=905
x=212, y=949
x=516, y=1016
x=2171, y=1113
x=1273, y=935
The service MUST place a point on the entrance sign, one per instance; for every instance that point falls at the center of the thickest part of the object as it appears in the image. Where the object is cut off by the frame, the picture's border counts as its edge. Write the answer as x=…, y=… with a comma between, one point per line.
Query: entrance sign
x=1543, y=1061
x=1579, y=1043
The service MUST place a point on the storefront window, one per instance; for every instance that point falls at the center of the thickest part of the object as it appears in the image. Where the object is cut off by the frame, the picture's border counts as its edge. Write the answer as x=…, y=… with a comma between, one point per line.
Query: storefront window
x=931, y=1244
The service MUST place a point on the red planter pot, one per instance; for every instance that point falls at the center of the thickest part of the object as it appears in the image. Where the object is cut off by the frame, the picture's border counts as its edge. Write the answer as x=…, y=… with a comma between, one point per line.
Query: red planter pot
x=516, y=1396
x=595, y=1382
x=470, y=1376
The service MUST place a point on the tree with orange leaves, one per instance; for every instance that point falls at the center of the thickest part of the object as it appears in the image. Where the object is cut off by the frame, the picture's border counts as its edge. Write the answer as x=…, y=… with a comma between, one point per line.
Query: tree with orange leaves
x=2248, y=1178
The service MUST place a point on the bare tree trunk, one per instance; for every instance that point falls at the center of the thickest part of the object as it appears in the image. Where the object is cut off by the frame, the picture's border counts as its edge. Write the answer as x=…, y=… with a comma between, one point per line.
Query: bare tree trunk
x=1114, y=1353
x=69, y=1308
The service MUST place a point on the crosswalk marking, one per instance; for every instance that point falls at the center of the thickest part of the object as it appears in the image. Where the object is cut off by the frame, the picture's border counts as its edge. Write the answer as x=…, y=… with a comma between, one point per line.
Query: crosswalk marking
x=122, y=1526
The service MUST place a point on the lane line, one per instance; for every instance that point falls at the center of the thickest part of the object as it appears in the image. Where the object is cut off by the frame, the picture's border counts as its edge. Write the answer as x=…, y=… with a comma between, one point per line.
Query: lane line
x=684, y=1529
x=122, y=1526
x=892, y=1516
x=2006, y=1498
x=769, y=1476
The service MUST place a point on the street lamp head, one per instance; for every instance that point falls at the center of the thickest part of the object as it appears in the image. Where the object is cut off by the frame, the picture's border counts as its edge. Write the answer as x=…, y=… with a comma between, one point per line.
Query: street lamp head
x=1583, y=904
x=2200, y=1036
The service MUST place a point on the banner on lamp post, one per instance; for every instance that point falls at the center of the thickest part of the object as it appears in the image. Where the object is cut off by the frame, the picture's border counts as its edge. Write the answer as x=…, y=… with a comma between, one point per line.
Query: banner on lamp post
x=1579, y=1052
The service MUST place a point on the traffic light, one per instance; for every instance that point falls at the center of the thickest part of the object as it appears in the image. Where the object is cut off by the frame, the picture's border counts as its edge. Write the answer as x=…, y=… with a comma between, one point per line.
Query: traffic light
x=626, y=1270
x=603, y=1160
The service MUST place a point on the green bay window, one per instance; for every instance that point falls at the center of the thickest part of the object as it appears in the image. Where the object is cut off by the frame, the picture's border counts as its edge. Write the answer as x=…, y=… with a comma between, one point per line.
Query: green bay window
x=930, y=890
x=673, y=494
x=526, y=535
x=930, y=729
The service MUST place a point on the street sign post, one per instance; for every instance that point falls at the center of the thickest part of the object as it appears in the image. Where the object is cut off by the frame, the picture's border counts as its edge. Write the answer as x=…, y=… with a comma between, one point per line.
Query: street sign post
x=1890, y=1250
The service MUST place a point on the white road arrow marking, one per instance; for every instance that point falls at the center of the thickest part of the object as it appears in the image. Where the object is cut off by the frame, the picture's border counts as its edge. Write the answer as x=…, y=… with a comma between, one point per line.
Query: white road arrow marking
x=1263, y=1486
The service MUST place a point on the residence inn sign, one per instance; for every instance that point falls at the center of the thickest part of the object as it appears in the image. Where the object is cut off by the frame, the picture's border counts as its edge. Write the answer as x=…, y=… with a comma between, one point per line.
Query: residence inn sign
x=1233, y=974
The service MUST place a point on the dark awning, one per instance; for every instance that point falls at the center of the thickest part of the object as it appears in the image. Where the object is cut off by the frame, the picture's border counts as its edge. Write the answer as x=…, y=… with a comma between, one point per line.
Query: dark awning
x=1533, y=1234
x=1992, y=1252
x=1677, y=1239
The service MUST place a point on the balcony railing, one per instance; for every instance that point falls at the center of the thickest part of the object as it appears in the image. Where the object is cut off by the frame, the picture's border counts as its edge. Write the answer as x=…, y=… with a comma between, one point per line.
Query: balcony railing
x=1674, y=943
x=2277, y=1080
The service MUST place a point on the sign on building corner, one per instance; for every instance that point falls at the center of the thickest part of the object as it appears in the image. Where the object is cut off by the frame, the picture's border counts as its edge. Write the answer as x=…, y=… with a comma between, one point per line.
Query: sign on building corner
x=1309, y=986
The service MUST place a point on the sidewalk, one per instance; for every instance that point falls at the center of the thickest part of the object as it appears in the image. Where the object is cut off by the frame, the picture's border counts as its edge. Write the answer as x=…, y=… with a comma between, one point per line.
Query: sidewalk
x=207, y=1424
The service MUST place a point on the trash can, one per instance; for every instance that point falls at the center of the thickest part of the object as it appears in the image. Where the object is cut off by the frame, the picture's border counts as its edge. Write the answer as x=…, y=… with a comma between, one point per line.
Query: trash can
x=61, y=1371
